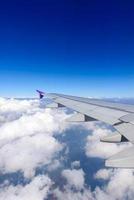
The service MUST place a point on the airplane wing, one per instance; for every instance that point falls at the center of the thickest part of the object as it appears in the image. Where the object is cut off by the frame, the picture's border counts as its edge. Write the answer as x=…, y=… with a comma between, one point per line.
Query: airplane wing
x=120, y=116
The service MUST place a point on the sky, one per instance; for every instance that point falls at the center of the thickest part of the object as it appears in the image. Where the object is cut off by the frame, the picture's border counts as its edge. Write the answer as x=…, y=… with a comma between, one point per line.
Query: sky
x=76, y=47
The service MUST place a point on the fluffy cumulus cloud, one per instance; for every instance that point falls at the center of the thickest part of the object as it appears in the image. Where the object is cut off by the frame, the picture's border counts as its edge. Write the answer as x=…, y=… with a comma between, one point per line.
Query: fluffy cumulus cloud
x=75, y=187
x=75, y=164
x=119, y=186
x=42, y=121
x=11, y=109
x=69, y=194
x=75, y=178
x=104, y=174
x=27, y=153
x=37, y=189
x=28, y=141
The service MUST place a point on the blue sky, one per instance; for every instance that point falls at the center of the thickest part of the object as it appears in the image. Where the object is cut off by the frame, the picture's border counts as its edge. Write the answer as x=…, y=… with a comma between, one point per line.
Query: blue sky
x=83, y=48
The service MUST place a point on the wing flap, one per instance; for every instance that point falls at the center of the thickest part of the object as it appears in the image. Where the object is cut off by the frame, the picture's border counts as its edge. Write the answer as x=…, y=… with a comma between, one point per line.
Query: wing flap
x=123, y=159
x=127, y=130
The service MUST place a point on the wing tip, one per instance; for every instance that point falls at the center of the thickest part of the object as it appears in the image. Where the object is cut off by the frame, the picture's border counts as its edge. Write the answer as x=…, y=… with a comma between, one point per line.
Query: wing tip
x=41, y=94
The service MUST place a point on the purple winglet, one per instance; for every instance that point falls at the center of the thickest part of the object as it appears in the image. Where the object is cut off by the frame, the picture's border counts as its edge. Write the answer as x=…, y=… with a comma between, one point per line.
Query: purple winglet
x=41, y=94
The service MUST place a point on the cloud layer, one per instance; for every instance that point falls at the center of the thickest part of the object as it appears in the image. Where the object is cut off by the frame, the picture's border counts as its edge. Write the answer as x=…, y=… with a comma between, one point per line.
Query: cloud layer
x=28, y=141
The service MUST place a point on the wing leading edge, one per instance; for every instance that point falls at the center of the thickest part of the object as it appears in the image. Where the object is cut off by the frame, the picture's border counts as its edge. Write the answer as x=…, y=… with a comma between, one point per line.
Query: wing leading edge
x=120, y=116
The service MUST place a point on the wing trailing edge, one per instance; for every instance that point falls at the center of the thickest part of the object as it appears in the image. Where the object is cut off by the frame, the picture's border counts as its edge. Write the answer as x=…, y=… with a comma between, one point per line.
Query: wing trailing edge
x=123, y=159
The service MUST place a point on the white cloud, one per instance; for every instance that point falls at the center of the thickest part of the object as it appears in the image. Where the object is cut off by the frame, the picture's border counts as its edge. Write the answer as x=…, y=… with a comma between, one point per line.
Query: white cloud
x=120, y=181
x=53, y=165
x=75, y=164
x=69, y=194
x=75, y=187
x=74, y=177
x=27, y=153
x=125, y=180
x=37, y=189
x=12, y=109
x=120, y=186
x=29, y=142
x=46, y=122
x=95, y=148
x=104, y=174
